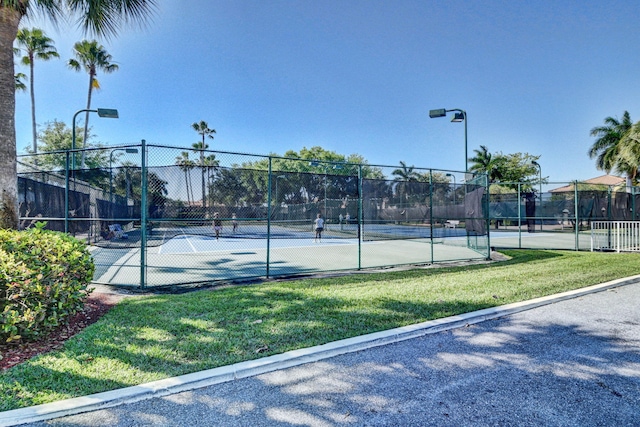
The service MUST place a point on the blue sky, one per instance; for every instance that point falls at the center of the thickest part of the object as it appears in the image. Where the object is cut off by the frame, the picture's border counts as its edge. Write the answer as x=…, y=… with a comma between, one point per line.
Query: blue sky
x=360, y=77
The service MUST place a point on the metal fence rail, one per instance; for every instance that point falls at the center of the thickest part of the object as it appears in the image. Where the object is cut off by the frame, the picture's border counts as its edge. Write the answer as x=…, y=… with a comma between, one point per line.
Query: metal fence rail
x=158, y=216
x=618, y=236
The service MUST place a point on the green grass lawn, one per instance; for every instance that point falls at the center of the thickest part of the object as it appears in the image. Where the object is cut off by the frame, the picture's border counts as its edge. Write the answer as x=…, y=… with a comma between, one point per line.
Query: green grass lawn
x=153, y=337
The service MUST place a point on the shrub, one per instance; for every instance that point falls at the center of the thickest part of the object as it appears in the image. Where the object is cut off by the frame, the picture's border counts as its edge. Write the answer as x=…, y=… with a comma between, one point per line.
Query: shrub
x=43, y=280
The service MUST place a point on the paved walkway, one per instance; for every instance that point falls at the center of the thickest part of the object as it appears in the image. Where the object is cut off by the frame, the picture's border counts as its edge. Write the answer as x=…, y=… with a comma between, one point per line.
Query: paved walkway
x=574, y=362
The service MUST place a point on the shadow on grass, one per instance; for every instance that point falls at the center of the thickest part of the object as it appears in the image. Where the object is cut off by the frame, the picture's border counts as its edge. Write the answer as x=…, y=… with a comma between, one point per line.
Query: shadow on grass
x=168, y=335
x=541, y=369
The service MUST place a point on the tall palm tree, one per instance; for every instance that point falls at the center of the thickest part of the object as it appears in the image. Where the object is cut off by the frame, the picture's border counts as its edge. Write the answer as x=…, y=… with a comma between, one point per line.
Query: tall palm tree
x=210, y=164
x=186, y=165
x=606, y=148
x=203, y=129
x=92, y=57
x=403, y=175
x=102, y=18
x=36, y=45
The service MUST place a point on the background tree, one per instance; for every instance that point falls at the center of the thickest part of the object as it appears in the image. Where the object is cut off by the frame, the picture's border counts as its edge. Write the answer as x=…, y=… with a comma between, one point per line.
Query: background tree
x=102, y=18
x=507, y=170
x=55, y=139
x=36, y=45
x=128, y=184
x=91, y=57
x=516, y=169
x=20, y=85
x=629, y=154
x=210, y=165
x=403, y=176
x=186, y=165
x=609, y=143
x=483, y=162
x=203, y=130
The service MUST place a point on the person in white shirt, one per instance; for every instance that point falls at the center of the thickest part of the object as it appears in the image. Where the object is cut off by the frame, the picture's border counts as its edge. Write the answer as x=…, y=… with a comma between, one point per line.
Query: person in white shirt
x=319, y=223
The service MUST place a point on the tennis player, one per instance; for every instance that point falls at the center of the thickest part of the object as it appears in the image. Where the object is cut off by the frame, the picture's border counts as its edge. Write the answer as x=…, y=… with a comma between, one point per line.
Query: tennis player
x=217, y=224
x=319, y=223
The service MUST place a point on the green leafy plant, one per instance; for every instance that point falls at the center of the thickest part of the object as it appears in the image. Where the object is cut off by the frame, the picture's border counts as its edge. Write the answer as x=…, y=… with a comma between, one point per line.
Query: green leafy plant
x=43, y=280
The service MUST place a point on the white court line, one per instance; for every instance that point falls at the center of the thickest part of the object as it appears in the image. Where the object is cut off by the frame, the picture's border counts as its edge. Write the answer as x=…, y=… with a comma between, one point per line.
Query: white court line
x=264, y=248
x=190, y=244
x=164, y=235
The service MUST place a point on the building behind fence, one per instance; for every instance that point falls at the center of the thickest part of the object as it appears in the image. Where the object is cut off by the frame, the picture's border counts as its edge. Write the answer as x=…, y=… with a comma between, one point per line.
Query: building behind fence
x=159, y=216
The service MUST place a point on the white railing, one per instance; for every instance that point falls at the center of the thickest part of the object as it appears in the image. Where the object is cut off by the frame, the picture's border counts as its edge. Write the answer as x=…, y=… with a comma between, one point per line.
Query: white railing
x=618, y=236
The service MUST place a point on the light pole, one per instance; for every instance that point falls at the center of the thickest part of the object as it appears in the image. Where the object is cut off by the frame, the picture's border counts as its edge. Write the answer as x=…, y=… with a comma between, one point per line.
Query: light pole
x=109, y=113
x=454, y=186
x=126, y=150
x=460, y=116
x=533, y=162
x=277, y=177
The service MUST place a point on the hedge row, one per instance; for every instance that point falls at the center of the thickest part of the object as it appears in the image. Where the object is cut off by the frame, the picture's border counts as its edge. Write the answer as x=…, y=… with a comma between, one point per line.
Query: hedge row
x=43, y=280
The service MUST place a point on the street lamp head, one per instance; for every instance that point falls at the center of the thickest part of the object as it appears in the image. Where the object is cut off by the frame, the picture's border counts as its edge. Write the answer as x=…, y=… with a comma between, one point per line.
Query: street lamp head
x=533, y=162
x=458, y=117
x=131, y=150
x=440, y=112
x=109, y=113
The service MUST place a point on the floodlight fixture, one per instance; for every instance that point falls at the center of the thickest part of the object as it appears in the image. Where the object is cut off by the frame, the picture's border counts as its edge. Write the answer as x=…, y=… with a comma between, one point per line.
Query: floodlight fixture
x=440, y=112
x=460, y=116
x=109, y=113
x=457, y=118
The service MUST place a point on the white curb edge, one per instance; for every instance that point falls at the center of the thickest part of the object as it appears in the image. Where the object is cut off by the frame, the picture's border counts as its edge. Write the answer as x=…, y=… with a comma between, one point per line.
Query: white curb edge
x=282, y=361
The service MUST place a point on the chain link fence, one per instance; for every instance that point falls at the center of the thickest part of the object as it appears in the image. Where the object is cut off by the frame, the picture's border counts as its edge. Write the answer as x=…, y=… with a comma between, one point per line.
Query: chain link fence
x=556, y=215
x=160, y=216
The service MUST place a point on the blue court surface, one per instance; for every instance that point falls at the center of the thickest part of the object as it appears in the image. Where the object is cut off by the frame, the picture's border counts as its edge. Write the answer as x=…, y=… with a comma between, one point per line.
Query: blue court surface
x=193, y=244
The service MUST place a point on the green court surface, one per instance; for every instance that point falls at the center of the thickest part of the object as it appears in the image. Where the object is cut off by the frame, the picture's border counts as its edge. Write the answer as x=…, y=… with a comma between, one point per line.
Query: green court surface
x=194, y=259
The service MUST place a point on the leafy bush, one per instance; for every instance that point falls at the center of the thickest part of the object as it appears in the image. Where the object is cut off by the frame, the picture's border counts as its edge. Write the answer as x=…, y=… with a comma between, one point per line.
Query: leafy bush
x=43, y=280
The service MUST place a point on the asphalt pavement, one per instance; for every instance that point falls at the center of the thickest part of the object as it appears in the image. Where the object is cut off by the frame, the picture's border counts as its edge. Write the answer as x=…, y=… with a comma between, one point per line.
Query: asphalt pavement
x=573, y=360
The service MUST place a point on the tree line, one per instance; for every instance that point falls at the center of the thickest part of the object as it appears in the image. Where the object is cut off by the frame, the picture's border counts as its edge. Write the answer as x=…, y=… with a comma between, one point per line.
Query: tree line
x=617, y=145
x=100, y=18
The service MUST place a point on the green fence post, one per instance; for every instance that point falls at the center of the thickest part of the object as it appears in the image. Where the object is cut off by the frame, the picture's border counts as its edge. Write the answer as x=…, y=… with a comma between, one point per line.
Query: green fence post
x=268, y=217
x=143, y=215
x=66, y=194
x=360, y=216
x=576, y=215
x=431, y=210
x=487, y=216
x=519, y=216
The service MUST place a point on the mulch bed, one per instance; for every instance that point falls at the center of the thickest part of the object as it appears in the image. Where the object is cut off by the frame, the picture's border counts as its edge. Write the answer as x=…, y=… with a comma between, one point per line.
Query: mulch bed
x=96, y=306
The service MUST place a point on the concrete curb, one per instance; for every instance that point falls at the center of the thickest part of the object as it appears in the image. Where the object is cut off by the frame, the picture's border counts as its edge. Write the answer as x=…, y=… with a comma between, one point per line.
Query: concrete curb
x=281, y=361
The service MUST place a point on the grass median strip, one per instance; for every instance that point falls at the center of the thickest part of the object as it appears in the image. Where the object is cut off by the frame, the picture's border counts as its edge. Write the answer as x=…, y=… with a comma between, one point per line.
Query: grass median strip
x=153, y=337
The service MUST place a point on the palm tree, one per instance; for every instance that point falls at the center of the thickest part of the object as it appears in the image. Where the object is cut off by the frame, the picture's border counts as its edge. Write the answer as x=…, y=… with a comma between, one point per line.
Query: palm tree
x=186, y=165
x=102, y=18
x=484, y=162
x=607, y=146
x=403, y=175
x=20, y=86
x=629, y=154
x=92, y=57
x=203, y=129
x=210, y=163
x=36, y=45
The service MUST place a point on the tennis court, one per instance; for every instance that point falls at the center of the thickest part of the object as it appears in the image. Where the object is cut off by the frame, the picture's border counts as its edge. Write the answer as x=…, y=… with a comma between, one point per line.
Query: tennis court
x=162, y=216
x=541, y=240
x=198, y=258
